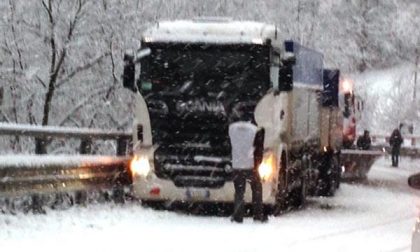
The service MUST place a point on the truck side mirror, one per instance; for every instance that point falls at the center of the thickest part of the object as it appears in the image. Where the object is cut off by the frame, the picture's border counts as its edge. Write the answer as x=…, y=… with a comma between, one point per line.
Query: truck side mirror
x=129, y=72
x=289, y=59
x=286, y=74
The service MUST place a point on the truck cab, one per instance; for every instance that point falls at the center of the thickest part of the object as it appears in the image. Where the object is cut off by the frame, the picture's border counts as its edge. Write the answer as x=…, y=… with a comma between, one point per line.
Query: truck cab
x=198, y=76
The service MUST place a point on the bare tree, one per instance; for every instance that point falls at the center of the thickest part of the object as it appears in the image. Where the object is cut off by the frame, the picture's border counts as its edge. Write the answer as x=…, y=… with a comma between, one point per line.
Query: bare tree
x=60, y=61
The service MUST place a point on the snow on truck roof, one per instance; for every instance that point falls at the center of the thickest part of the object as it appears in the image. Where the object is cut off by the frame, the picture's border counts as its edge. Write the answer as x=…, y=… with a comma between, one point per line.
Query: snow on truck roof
x=211, y=31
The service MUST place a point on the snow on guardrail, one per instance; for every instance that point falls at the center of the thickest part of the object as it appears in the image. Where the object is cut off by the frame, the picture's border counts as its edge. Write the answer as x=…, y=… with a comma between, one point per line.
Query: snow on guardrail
x=55, y=131
x=409, y=140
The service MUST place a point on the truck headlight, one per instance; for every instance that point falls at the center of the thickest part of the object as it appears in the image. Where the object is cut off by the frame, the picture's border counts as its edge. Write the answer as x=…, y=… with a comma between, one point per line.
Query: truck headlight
x=267, y=166
x=140, y=166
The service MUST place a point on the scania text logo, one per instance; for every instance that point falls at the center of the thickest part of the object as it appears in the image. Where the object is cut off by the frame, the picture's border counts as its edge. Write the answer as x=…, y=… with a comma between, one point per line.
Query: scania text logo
x=192, y=106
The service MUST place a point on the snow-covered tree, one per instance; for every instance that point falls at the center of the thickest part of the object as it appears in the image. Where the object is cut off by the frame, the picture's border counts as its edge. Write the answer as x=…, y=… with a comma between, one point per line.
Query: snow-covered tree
x=61, y=61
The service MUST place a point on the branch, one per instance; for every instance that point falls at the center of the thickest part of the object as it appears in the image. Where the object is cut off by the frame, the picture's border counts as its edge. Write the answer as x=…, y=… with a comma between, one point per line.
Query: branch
x=73, y=22
x=114, y=77
x=31, y=117
x=6, y=47
x=41, y=81
x=48, y=9
x=80, y=104
x=5, y=116
x=118, y=123
x=19, y=52
x=69, y=37
x=81, y=69
x=58, y=67
x=34, y=29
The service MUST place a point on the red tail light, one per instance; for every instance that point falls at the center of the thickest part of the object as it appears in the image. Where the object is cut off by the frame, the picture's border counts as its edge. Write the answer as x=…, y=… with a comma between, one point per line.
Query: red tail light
x=155, y=191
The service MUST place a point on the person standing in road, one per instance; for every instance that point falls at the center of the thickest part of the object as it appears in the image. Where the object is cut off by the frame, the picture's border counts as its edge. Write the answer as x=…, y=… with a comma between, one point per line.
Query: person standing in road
x=247, y=141
x=395, y=141
x=364, y=142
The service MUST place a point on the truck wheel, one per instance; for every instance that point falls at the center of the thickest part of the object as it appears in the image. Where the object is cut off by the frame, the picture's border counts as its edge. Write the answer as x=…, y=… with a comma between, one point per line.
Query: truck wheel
x=337, y=171
x=328, y=181
x=297, y=197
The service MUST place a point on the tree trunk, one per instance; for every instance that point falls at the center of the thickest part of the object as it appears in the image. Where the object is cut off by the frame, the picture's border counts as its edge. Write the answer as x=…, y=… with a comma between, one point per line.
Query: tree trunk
x=416, y=65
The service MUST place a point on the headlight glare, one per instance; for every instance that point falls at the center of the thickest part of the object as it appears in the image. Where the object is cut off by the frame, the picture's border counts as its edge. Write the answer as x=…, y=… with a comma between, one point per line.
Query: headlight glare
x=267, y=166
x=140, y=166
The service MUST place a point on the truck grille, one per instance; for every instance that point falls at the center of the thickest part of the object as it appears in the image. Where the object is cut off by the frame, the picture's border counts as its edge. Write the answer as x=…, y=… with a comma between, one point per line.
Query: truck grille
x=193, y=167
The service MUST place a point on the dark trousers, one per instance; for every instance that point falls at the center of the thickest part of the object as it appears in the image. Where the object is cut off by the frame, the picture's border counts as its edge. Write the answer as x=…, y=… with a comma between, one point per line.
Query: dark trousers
x=395, y=153
x=240, y=177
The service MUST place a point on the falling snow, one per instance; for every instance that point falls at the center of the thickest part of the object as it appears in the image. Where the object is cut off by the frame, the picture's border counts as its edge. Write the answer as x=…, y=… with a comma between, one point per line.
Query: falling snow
x=377, y=215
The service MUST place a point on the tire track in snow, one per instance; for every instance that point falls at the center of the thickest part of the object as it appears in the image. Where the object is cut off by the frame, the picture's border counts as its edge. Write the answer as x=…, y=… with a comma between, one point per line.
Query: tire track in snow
x=361, y=228
x=356, y=229
x=405, y=248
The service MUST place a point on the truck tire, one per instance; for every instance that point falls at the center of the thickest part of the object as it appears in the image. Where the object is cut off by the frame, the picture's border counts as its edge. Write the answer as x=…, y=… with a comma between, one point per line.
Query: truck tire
x=329, y=176
x=337, y=171
x=297, y=197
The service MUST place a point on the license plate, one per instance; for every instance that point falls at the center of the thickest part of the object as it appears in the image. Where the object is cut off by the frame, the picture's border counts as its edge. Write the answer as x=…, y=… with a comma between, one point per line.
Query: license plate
x=193, y=193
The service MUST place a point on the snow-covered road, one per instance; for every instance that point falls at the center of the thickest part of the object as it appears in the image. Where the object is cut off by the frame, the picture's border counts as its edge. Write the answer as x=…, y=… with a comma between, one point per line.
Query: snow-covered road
x=374, y=216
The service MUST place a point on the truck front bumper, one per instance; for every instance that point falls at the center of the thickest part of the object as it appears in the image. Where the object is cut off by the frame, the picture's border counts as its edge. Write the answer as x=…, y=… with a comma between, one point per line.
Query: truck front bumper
x=152, y=188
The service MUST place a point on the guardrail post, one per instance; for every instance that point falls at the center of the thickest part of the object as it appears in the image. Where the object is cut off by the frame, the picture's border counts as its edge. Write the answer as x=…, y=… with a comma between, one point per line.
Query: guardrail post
x=122, y=144
x=36, y=205
x=40, y=146
x=86, y=146
x=118, y=193
x=413, y=141
x=80, y=198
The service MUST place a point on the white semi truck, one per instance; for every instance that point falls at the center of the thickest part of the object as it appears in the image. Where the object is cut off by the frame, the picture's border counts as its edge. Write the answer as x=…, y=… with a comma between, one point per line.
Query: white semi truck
x=197, y=76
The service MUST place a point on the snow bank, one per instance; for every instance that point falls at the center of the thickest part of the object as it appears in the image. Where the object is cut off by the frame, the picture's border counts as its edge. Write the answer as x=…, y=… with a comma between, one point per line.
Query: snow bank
x=374, y=216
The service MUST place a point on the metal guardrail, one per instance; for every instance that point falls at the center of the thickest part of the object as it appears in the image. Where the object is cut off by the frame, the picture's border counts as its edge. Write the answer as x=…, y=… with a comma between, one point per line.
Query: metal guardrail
x=52, y=131
x=23, y=175
x=381, y=139
x=380, y=142
x=86, y=135
x=44, y=174
x=35, y=175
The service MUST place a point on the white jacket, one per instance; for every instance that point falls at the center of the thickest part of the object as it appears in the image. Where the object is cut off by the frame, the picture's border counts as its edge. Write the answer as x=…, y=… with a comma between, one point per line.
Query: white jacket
x=242, y=136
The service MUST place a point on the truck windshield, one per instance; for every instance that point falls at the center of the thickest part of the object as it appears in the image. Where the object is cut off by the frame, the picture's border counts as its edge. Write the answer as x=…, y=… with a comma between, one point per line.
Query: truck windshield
x=210, y=70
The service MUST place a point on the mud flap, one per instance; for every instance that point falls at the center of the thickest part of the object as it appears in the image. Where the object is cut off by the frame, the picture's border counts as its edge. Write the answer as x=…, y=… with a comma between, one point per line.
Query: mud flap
x=291, y=185
x=329, y=175
x=281, y=195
